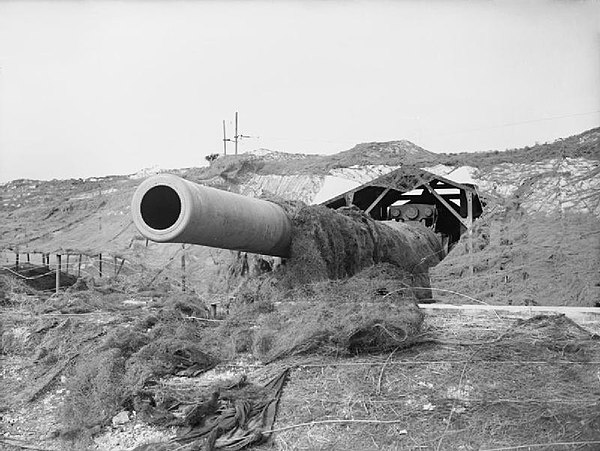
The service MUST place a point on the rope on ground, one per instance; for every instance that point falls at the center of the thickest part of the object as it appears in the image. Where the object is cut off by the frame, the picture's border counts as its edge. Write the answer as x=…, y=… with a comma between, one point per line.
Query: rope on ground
x=439, y=289
x=433, y=362
x=205, y=319
x=543, y=445
x=462, y=375
x=402, y=399
x=378, y=392
x=337, y=421
x=445, y=291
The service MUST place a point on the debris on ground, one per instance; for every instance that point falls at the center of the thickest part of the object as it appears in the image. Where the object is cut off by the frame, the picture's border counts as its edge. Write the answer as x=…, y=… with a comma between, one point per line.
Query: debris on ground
x=232, y=420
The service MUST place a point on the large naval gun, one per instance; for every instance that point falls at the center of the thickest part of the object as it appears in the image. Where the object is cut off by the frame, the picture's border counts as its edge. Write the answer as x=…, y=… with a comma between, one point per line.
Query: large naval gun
x=169, y=209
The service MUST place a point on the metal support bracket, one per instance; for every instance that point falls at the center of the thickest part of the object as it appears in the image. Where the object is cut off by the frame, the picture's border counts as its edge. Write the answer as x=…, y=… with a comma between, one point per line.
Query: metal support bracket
x=444, y=202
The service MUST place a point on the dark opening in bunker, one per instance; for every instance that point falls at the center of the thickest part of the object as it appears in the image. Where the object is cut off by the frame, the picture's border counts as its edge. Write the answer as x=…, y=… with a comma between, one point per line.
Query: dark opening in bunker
x=160, y=207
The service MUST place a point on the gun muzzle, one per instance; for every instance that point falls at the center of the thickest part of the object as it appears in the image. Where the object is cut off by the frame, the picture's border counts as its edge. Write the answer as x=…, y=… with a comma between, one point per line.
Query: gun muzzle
x=169, y=209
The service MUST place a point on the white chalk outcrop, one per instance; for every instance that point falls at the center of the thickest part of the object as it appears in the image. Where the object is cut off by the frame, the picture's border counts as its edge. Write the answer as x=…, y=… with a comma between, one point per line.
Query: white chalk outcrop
x=547, y=186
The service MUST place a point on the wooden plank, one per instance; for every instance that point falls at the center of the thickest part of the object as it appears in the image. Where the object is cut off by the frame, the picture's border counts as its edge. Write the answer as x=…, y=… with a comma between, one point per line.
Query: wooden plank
x=447, y=183
x=376, y=201
x=120, y=267
x=58, y=269
x=420, y=196
x=470, y=229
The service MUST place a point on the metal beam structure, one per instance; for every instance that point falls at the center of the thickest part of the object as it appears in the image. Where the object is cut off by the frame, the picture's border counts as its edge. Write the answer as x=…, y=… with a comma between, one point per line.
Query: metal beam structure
x=445, y=203
x=376, y=196
x=376, y=201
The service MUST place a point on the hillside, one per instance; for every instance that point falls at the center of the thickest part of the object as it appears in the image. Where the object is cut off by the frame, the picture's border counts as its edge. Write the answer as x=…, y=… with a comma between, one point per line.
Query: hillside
x=546, y=197
x=584, y=145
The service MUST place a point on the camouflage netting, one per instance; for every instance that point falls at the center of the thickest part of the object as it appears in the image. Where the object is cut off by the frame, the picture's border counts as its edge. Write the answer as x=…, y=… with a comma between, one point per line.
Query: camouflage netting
x=523, y=258
x=372, y=311
x=334, y=245
x=328, y=244
x=350, y=286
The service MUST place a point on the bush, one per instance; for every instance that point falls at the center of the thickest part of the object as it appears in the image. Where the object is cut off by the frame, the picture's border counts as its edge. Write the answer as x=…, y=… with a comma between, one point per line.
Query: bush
x=212, y=157
x=127, y=340
x=95, y=391
x=165, y=356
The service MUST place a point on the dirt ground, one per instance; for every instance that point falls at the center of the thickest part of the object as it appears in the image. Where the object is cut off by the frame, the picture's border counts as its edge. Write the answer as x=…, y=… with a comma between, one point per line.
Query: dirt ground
x=475, y=382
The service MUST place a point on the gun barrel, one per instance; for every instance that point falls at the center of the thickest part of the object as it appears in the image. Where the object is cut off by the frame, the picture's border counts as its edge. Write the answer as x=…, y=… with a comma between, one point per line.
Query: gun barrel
x=169, y=209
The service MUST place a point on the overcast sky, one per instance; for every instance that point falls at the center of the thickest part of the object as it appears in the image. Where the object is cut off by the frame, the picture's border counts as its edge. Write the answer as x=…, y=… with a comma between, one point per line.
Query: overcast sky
x=91, y=88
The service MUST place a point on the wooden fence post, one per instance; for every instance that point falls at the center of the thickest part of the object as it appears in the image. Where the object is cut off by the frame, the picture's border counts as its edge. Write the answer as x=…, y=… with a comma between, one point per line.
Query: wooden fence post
x=79, y=267
x=183, y=272
x=120, y=267
x=58, y=268
x=470, y=232
x=100, y=264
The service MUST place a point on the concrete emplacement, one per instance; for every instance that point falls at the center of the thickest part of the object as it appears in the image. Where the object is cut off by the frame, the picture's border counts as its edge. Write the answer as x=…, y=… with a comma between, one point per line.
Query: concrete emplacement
x=169, y=209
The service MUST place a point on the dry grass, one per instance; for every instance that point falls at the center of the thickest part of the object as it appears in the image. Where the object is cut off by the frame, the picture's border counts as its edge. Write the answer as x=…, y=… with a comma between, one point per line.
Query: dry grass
x=107, y=356
x=468, y=385
x=531, y=387
x=523, y=259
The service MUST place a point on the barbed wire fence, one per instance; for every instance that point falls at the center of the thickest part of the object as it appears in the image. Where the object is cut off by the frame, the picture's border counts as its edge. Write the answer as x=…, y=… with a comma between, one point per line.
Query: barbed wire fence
x=99, y=267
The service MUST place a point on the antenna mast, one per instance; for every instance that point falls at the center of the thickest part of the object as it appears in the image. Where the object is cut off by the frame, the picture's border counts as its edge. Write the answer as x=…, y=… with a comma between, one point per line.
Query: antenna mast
x=236, y=132
x=236, y=138
x=224, y=139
